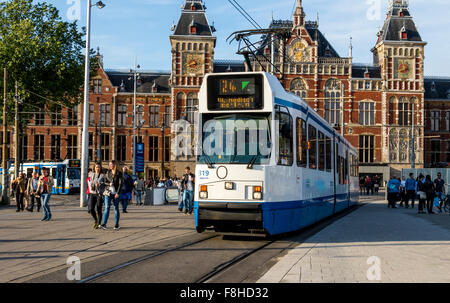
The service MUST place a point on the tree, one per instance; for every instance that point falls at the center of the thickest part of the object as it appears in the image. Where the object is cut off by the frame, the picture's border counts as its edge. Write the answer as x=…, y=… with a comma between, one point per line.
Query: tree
x=43, y=53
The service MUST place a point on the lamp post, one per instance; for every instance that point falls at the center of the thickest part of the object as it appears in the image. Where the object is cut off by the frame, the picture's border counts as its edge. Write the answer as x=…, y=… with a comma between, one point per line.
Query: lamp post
x=136, y=75
x=163, y=152
x=413, y=136
x=85, y=136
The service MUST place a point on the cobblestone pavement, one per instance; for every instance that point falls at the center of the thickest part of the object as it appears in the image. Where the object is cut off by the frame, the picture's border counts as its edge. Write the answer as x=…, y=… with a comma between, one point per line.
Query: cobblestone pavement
x=372, y=244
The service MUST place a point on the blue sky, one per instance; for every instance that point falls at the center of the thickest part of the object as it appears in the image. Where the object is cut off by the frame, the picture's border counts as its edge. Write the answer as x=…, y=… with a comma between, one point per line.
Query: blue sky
x=128, y=28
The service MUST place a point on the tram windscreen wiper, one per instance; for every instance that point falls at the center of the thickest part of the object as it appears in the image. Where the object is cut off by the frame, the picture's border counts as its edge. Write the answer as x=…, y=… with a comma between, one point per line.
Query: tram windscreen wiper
x=252, y=162
x=208, y=161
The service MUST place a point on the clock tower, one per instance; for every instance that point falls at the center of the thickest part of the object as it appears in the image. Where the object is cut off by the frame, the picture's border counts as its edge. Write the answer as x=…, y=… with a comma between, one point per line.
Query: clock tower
x=399, y=52
x=192, y=45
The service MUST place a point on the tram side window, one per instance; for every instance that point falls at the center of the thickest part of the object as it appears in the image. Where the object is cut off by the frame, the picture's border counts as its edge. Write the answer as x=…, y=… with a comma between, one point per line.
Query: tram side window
x=312, y=147
x=321, y=151
x=286, y=154
x=346, y=170
x=54, y=172
x=302, y=143
x=328, y=154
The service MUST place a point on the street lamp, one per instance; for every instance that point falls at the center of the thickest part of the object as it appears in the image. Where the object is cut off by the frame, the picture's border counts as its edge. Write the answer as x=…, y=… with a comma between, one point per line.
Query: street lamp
x=163, y=151
x=413, y=135
x=136, y=75
x=85, y=136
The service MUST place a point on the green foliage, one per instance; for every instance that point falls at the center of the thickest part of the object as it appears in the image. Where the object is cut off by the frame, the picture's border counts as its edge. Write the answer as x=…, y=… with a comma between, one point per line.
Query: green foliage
x=43, y=53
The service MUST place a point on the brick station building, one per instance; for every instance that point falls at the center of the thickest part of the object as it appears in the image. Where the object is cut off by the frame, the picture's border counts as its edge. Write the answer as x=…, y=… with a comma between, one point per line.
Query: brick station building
x=377, y=105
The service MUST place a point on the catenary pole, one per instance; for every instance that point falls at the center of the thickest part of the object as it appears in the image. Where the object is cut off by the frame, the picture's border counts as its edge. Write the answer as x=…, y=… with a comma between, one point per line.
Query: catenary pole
x=85, y=135
x=4, y=147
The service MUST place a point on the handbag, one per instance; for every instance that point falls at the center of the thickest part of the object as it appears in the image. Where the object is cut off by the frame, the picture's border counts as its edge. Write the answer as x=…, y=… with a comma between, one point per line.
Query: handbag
x=422, y=195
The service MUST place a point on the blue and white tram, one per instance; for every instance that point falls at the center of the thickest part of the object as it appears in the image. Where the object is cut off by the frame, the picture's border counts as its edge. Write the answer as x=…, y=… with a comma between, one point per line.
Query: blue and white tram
x=66, y=174
x=269, y=164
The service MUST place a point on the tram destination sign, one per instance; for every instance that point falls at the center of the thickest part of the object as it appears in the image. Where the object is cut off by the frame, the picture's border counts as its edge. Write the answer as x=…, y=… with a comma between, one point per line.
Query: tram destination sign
x=235, y=92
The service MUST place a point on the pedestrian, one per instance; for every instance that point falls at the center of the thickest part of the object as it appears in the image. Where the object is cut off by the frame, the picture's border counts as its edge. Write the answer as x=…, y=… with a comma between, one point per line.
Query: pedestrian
x=88, y=190
x=367, y=184
x=139, y=187
x=361, y=185
x=402, y=191
x=32, y=192
x=393, y=189
x=126, y=190
x=421, y=192
x=97, y=185
x=439, y=184
x=113, y=180
x=188, y=183
x=168, y=183
x=377, y=184
x=20, y=185
x=430, y=192
x=180, y=195
x=44, y=190
x=410, y=187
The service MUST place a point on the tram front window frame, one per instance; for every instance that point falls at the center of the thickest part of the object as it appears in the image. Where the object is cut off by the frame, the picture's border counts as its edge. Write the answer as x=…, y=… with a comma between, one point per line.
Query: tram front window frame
x=239, y=154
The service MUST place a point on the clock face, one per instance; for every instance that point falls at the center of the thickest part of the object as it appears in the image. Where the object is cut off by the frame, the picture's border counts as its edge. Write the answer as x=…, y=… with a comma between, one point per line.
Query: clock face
x=404, y=68
x=192, y=64
x=298, y=51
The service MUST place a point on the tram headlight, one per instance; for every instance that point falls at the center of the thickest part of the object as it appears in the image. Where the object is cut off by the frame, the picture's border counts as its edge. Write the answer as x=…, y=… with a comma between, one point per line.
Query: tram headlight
x=257, y=193
x=203, y=192
x=229, y=185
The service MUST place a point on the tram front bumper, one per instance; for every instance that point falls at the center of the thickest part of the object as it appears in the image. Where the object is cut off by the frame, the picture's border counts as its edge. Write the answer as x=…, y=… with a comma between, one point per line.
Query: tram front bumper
x=224, y=211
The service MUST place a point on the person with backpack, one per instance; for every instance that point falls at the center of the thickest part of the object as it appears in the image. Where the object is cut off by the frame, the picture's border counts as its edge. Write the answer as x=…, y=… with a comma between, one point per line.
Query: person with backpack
x=32, y=192
x=393, y=188
x=113, y=181
x=97, y=185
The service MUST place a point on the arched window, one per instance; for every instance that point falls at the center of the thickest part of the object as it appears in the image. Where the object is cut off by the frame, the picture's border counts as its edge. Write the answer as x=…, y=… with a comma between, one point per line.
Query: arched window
x=180, y=99
x=189, y=46
x=200, y=46
x=191, y=106
x=367, y=112
x=392, y=110
x=333, y=89
x=404, y=111
x=183, y=46
x=299, y=87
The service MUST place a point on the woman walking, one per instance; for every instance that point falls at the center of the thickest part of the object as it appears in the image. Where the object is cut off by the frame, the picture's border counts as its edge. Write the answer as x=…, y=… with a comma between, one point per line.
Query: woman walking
x=430, y=191
x=45, y=189
x=113, y=180
x=97, y=185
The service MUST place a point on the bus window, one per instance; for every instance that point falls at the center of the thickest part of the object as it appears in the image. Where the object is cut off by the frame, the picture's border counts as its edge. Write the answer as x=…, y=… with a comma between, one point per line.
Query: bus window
x=312, y=147
x=328, y=154
x=302, y=143
x=321, y=151
x=286, y=155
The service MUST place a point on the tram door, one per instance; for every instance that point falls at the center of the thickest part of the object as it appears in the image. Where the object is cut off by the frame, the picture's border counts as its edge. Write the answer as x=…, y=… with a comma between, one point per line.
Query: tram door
x=60, y=179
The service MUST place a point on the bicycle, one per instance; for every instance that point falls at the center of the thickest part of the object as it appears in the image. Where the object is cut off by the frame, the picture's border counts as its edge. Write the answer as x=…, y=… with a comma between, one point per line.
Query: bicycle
x=446, y=204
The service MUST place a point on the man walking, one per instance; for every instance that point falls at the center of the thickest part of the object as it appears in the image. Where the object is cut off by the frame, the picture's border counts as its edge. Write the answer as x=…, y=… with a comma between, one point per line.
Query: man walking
x=32, y=192
x=439, y=184
x=410, y=186
x=20, y=186
x=393, y=188
x=127, y=189
x=139, y=186
x=188, y=190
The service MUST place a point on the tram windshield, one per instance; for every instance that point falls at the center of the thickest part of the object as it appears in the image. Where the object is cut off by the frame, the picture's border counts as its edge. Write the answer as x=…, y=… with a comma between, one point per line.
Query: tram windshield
x=236, y=139
x=74, y=173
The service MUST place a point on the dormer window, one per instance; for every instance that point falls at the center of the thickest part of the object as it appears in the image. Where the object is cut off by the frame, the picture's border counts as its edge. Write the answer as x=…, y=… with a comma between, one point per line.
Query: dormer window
x=327, y=51
x=404, y=35
x=193, y=7
x=402, y=14
x=154, y=88
x=433, y=86
x=367, y=74
x=193, y=30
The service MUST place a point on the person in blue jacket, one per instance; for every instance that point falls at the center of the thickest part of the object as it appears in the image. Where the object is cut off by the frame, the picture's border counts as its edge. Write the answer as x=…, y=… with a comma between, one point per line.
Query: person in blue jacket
x=410, y=186
x=127, y=190
x=393, y=188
